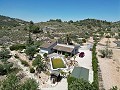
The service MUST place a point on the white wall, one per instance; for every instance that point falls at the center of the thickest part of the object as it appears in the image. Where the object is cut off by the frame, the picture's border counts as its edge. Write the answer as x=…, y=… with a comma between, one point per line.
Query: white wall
x=43, y=51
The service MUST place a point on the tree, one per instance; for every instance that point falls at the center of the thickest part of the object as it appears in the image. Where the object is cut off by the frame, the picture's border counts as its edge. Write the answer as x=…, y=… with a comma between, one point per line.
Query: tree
x=31, y=22
x=39, y=64
x=41, y=67
x=10, y=83
x=8, y=67
x=68, y=39
x=58, y=20
x=35, y=29
x=79, y=84
x=30, y=51
x=29, y=41
x=30, y=84
x=4, y=55
x=71, y=21
x=32, y=70
x=66, y=55
x=5, y=68
x=37, y=60
x=45, y=56
x=2, y=70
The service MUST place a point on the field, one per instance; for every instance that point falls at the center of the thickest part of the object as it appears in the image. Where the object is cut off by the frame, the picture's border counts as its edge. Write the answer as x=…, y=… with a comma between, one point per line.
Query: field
x=58, y=63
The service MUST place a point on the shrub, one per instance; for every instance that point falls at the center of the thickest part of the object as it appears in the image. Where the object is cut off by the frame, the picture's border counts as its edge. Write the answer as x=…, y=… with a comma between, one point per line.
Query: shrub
x=32, y=70
x=17, y=47
x=5, y=68
x=2, y=70
x=108, y=36
x=106, y=53
x=84, y=40
x=24, y=63
x=114, y=88
x=4, y=55
x=45, y=56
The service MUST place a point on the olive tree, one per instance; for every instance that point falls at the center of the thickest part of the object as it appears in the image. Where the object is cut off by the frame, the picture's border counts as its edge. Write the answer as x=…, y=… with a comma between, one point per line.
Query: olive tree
x=30, y=51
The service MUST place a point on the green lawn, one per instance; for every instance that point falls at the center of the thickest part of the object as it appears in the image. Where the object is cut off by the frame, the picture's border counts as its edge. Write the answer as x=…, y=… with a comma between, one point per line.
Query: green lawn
x=58, y=63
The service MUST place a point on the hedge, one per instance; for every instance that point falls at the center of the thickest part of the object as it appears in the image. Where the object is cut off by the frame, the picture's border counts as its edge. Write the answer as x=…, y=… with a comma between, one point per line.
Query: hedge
x=95, y=67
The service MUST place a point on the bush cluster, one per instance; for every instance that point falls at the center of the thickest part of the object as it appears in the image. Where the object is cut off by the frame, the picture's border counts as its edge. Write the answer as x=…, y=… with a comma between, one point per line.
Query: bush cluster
x=79, y=84
x=17, y=47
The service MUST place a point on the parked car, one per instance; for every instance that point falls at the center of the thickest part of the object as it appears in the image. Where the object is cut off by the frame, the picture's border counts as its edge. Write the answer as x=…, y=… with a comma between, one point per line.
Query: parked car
x=81, y=54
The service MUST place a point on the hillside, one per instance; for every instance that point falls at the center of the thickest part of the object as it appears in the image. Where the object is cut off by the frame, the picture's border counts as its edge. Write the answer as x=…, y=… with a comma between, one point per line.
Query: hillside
x=6, y=22
x=85, y=26
x=16, y=29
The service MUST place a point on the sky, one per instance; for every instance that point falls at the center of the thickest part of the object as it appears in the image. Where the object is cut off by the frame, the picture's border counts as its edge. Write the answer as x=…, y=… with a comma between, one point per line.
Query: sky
x=44, y=10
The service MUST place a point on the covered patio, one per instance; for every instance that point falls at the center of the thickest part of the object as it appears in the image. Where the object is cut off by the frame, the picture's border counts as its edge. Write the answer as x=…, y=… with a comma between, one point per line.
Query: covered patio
x=66, y=49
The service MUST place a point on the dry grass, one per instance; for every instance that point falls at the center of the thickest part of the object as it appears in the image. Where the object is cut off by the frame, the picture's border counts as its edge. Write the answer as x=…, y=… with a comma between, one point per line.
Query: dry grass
x=58, y=63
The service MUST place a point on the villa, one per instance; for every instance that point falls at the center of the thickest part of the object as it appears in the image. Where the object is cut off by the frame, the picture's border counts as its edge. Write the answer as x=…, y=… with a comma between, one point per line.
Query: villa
x=53, y=46
x=59, y=66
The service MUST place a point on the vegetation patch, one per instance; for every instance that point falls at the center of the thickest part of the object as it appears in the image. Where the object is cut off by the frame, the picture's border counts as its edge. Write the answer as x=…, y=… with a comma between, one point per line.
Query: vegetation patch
x=58, y=63
x=79, y=84
x=95, y=67
x=17, y=47
x=25, y=63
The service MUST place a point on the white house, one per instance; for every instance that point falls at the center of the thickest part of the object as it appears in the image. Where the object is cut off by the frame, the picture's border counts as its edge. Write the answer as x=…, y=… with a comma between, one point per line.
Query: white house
x=53, y=46
x=47, y=47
